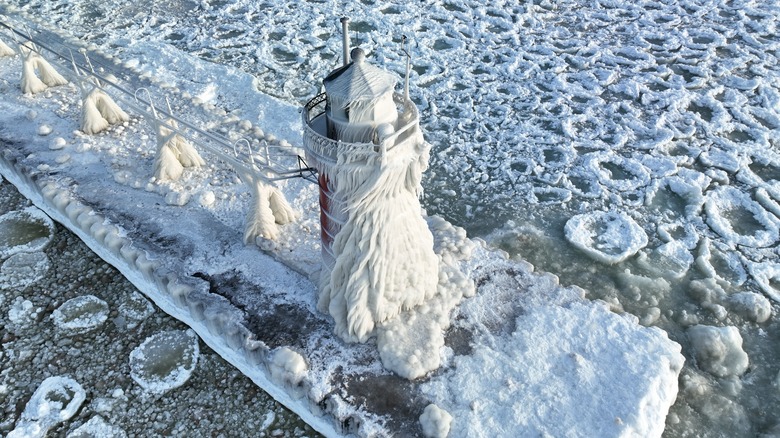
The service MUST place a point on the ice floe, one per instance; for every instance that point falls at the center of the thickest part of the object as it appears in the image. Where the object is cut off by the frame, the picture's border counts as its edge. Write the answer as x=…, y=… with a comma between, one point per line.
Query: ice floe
x=97, y=427
x=607, y=237
x=23, y=269
x=740, y=220
x=767, y=275
x=80, y=314
x=135, y=309
x=26, y=230
x=435, y=422
x=56, y=400
x=164, y=361
x=751, y=305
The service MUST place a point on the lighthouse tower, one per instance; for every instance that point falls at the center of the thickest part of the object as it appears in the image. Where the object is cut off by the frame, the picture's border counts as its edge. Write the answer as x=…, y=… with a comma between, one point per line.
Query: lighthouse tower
x=365, y=142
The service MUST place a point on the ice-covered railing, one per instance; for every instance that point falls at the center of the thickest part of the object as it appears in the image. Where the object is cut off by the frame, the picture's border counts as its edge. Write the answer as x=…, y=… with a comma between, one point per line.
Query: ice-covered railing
x=325, y=150
x=260, y=165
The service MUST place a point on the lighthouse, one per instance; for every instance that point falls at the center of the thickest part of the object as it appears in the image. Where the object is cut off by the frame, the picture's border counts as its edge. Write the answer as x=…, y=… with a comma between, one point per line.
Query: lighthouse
x=365, y=141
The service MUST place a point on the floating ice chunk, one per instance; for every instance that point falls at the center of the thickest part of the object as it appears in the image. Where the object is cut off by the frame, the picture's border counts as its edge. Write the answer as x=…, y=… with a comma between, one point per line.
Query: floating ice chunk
x=683, y=232
x=81, y=314
x=607, y=237
x=287, y=366
x=718, y=158
x=135, y=309
x=57, y=144
x=435, y=422
x=25, y=230
x=617, y=172
x=164, y=361
x=670, y=259
x=23, y=269
x=21, y=312
x=97, y=427
x=767, y=275
x=721, y=263
x=738, y=219
x=718, y=350
x=751, y=305
x=44, y=130
x=56, y=400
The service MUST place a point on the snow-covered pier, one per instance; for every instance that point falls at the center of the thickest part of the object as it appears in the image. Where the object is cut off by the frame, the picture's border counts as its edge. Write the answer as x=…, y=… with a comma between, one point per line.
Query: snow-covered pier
x=520, y=355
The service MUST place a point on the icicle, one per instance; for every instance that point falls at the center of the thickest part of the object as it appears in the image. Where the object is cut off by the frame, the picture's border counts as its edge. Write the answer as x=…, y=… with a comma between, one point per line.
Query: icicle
x=166, y=164
x=260, y=220
x=281, y=209
x=91, y=120
x=49, y=75
x=98, y=111
x=31, y=84
x=5, y=50
x=109, y=109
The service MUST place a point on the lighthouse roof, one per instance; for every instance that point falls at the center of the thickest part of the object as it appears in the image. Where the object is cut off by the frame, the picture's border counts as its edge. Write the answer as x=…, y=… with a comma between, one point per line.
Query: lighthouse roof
x=358, y=81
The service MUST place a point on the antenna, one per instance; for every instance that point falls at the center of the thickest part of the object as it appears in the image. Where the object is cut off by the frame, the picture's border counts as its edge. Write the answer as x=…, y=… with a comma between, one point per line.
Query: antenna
x=345, y=38
x=408, y=69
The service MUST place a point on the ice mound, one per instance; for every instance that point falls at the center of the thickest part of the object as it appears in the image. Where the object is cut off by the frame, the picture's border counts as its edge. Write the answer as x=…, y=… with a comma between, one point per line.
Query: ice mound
x=751, y=305
x=97, y=427
x=80, y=314
x=435, y=422
x=23, y=269
x=739, y=219
x=25, y=230
x=718, y=350
x=288, y=366
x=165, y=360
x=56, y=400
x=607, y=237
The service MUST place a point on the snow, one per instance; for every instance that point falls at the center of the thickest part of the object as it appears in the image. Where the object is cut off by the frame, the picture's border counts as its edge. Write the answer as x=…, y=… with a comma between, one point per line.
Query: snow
x=164, y=361
x=718, y=350
x=80, y=314
x=435, y=422
x=56, y=400
x=97, y=427
x=287, y=367
x=23, y=269
x=607, y=237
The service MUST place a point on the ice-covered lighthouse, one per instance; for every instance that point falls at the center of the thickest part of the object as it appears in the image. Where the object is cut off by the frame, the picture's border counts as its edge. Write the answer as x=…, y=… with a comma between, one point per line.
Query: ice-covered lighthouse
x=365, y=142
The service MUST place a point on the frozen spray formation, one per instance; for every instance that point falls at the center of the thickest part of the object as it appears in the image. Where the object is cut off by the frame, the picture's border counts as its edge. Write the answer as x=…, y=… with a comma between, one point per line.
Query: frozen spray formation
x=369, y=151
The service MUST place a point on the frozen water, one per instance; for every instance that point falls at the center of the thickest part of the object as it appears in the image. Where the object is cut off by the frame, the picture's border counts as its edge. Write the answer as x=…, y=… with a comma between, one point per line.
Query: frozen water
x=607, y=237
x=97, y=427
x=165, y=360
x=435, y=422
x=56, y=400
x=22, y=312
x=288, y=366
x=751, y=305
x=718, y=350
x=23, y=269
x=135, y=309
x=25, y=230
x=80, y=314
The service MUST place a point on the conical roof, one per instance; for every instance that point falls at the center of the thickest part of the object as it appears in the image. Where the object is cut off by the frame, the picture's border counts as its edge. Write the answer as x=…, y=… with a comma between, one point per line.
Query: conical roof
x=358, y=81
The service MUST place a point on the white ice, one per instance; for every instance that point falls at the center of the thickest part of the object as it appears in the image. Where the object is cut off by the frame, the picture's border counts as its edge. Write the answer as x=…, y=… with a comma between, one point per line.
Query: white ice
x=57, y=399
x=80, y=314
x=165, y=361
x=718, y=350
x=607, y=237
